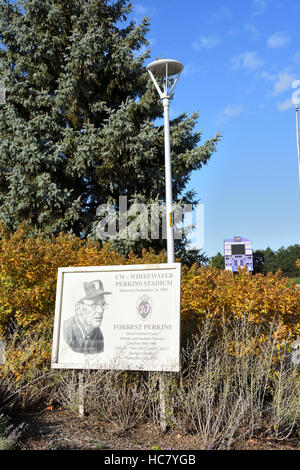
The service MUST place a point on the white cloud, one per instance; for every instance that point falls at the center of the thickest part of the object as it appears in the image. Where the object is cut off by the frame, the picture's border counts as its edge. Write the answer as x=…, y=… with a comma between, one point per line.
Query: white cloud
x=296, y=58
x=259, y=6
x=270, y=77
x=279, y=83
x=278, y=40
x=222, y=13
x=232, y=33
x=252, y=30
x=231, y=111
x=206, y=42
x=283, y=82
x=140, y=11
x=189, y=69
x=247, y=60
x=285, y=105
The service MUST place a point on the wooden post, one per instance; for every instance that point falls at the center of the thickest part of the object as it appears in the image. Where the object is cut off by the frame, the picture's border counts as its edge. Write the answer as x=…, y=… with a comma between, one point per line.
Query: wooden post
x=2, y=352
x=80, y=394
x=162, y=402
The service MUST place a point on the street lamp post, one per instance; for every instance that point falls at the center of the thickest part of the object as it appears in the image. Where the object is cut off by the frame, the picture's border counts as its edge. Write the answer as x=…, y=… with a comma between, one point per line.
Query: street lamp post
x=165, y=68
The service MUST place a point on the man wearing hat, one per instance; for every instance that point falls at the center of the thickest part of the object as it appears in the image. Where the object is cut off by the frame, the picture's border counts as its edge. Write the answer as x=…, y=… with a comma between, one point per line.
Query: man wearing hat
x=82, y=331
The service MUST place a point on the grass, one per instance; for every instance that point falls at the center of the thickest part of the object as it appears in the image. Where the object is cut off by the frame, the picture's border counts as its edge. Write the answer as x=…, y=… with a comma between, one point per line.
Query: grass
x=220, y=395
x=295, y=279
x=9, y=434
x=230, y=387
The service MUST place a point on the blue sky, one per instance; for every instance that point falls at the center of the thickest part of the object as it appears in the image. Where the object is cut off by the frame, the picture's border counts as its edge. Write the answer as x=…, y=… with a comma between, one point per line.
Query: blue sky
x=240, y=58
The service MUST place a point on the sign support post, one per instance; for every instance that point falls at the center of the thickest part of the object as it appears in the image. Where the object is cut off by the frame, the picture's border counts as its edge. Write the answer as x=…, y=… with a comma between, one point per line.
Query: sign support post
x=80, y=394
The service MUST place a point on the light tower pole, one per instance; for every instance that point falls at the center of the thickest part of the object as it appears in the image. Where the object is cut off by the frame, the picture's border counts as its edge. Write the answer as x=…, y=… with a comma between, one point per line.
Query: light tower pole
x=166, y=68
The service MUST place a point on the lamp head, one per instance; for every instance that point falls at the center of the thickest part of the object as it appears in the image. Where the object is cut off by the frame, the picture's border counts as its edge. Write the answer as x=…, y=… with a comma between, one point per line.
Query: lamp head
x=163, y=67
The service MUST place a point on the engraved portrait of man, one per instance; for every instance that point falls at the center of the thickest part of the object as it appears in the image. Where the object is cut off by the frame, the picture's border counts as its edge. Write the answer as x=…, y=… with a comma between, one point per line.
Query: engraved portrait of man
x=82, y=331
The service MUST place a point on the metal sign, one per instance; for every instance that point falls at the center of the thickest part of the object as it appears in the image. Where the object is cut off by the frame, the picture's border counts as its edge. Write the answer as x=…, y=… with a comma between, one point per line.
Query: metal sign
x=118, y=317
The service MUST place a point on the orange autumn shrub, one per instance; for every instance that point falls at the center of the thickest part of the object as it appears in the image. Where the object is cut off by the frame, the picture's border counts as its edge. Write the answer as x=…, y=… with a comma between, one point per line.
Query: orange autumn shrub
x=148, y=257
x=261, y=299
x=28, y=273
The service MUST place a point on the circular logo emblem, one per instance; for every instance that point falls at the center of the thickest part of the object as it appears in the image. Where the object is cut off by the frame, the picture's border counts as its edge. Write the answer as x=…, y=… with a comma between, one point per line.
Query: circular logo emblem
x=144, y=307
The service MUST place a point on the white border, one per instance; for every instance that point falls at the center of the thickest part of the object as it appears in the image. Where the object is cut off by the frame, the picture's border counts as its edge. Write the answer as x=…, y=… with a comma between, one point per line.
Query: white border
x=176, y=267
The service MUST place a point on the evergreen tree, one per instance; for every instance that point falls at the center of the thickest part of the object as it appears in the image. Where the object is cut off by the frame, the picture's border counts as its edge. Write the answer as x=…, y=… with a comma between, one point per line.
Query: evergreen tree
x=270, y=264
x=218, y=261
x=286, y=259
x=283, y=259
x=258, y=261
x=78, y=127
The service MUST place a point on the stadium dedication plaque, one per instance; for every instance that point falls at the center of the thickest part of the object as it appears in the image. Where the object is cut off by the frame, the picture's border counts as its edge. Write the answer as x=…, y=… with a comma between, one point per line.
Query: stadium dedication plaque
x=118, y=317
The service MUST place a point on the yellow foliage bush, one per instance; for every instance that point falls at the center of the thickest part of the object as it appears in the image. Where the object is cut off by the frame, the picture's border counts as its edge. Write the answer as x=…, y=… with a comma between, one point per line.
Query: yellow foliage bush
x=269, y=299
x=28, y=273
